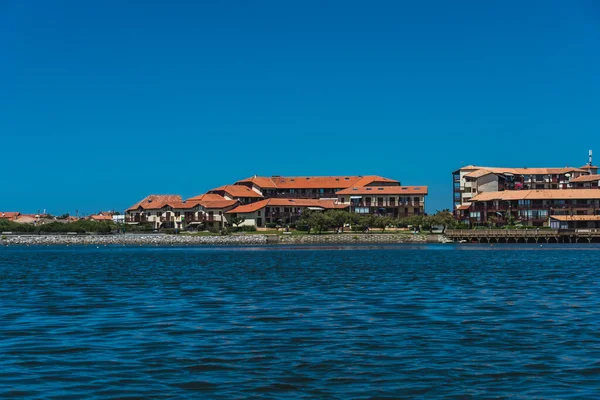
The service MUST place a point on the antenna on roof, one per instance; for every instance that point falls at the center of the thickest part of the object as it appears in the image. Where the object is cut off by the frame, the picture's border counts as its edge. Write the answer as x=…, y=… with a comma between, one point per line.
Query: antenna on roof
x=590, y=159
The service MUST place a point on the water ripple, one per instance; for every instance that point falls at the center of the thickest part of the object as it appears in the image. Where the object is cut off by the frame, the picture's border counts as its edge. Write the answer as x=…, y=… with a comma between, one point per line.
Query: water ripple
x=335, y=322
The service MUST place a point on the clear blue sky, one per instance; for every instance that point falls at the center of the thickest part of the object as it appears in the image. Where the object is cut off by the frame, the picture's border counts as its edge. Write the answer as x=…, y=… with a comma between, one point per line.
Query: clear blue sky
x=102, y=103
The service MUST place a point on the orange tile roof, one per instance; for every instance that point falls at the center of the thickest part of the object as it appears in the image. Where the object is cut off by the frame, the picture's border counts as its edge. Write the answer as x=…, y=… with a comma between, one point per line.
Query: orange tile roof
x=576, y=217
x=315, y=182
x=281, y=202
x=260, y=181
x=464, y=207
x=9, y=215
x=481, y=171
x=544, y=194
x=586, y=178
x=237, y=191
x=155, y=201
x=393, y=190
x=207, y=197
x=218, y=204
x=100, y=217
x=26, y=219
x=589, y=167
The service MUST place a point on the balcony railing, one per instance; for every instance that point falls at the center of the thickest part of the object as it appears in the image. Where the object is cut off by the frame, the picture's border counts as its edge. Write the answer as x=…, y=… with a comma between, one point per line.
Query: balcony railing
x=141, y=220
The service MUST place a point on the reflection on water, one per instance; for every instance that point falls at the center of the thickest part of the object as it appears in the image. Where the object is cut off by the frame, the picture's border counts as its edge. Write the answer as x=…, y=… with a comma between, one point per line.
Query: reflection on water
x=325, y=321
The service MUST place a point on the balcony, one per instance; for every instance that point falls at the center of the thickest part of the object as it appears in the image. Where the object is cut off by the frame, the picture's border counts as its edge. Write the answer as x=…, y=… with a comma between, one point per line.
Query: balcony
x=139, y=220
x=328, y=195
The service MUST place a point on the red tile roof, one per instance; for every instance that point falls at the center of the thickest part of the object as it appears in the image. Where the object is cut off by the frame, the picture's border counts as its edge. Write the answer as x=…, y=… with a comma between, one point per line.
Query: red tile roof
x=478, y=171
x=281, y=202
x=542, y=194
x=236, y=191
x=221, y=204
x=586, y=178
x=576, y=217
x=315, y=182
x=387, y=190
x=155, y=201
x=9, y=215
x=260, y=181
x=100, y=217
x=207, y=197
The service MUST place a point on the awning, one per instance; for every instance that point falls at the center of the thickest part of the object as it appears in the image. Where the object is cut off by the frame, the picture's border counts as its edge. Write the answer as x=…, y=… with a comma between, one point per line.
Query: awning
x=315, y=208
x=194, y=223
x=355, y=197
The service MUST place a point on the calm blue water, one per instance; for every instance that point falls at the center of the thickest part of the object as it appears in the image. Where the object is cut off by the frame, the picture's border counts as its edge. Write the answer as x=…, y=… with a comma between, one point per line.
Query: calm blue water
x=397, y=322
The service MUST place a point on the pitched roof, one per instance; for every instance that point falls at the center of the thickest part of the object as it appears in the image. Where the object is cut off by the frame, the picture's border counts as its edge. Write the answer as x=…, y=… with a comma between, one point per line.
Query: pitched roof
x=567, y=218
x=100, y=217
x=155, y=201
x=237, y=191
x=281, y=202
x=544, y=194
x=393, y=190
x=9, y=214
x=315, y=182
x=260, y=181
x=586, y=178
x=477, y=171
x=207, y=197
x=220, y=204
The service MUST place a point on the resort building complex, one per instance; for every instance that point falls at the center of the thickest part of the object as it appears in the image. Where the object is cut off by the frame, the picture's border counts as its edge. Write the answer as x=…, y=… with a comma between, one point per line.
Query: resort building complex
x=282, y=200
x=529, y=196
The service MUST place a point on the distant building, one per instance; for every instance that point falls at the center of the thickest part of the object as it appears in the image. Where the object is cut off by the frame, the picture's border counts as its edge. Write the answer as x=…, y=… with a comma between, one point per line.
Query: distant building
x=262, y=200
x=280, y=210
x=9, y=215
x=531, y=207
x=395, y=201
x=170, y=211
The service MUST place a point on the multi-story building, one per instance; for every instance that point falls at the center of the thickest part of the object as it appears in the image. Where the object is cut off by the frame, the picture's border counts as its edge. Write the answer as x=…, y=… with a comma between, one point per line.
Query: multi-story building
x=586, y=182
x=280, y=210
x=359, y=194
x=170, y=211
x=395, y=201
x=531, y=207
x=243, y=194
x=471, y=180
x=310, y=187
x=263, y=200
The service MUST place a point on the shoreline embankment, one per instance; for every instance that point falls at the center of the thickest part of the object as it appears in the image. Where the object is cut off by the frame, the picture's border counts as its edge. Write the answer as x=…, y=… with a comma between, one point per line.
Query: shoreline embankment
x=229, y=240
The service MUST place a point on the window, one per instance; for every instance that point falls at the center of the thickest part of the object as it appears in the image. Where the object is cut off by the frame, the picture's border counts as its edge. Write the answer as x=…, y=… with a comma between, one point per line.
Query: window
x=258, y=213
x=524, y=203
x=342, y=200
x=177, y=214
x=159, y=213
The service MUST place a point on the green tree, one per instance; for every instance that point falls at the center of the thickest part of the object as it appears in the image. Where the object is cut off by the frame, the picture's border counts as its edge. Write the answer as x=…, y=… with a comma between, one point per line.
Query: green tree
x=237, y=221
x=338, y=218
x=382, y=223
x=320, y=221
x=446, y=219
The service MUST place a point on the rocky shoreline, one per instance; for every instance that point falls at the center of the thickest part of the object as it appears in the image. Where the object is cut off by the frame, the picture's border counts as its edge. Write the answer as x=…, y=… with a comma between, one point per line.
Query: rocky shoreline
x=232, y=240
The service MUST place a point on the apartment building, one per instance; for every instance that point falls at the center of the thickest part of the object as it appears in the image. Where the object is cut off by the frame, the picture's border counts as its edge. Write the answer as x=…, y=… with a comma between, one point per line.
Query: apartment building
x=280, y=210
x=310, y=187
x=262, y=200
x=531, y=207
x=394, y=201
x=170, y=211
x=243, y=194
x=471, y=180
